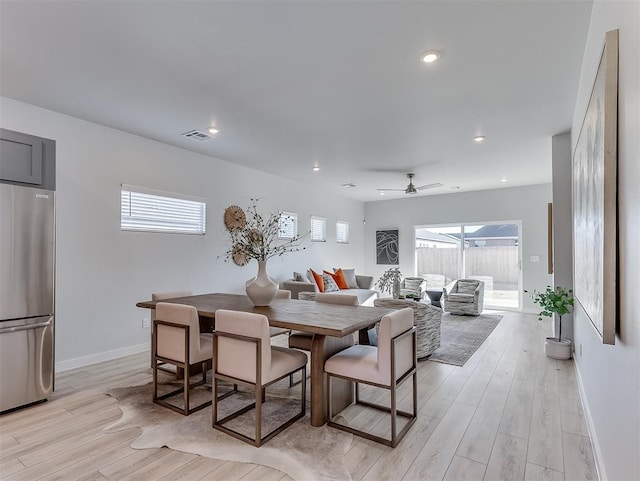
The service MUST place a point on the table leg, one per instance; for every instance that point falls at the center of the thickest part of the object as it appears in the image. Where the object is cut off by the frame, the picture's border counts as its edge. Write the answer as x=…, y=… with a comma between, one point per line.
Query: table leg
x=322, y=348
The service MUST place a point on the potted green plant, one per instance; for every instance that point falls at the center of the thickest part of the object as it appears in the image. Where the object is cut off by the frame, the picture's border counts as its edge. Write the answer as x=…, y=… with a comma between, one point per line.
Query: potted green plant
x=555, y=301
x=390, y=282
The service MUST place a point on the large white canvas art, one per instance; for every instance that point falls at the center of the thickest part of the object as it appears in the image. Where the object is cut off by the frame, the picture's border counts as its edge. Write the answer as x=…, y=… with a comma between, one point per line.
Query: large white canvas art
x=594, y=200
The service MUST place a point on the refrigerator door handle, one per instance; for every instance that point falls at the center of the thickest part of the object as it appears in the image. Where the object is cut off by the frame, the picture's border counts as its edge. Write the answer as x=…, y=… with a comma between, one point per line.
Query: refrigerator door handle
x=25, y=328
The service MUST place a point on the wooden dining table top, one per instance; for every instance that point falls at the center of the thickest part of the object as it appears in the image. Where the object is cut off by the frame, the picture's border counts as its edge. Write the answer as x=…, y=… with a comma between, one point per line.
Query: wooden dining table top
x=307, y=316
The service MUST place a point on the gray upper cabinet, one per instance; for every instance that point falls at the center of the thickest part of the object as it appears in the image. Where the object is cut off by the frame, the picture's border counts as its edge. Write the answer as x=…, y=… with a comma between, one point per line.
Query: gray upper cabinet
x=27, y=160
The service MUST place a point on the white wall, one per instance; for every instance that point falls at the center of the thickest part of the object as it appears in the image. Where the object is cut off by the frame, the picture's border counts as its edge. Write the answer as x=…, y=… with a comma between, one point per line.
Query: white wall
x=102, y=271
x=562, y=221
x=610, y=375
x=526, y=204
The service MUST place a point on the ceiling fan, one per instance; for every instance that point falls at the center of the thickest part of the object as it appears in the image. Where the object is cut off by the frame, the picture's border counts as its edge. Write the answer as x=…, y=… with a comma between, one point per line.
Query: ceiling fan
x=411, y=189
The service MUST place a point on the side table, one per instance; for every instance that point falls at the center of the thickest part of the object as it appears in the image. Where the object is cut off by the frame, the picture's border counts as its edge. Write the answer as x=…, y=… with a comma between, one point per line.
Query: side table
x=434, y=296
x=426, y=318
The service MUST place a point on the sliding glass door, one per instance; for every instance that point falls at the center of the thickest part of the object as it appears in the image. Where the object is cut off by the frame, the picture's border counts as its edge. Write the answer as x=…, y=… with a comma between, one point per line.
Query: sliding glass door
x=489, y=252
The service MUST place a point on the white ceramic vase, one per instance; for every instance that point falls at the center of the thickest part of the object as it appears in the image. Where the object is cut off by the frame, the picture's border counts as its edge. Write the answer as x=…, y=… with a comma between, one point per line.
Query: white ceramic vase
x=261, y=289
x=557, y=349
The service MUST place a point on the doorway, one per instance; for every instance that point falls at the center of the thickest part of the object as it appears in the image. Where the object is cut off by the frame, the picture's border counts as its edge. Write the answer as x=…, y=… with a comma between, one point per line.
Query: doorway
x=489, y=252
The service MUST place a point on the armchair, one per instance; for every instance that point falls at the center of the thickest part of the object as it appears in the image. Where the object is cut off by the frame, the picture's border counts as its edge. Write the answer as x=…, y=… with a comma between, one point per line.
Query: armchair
x=411, y=285
x=464, y=297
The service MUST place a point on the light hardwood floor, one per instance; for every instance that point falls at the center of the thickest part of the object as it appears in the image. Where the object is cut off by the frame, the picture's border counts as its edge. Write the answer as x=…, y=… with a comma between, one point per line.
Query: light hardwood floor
x=509, y=414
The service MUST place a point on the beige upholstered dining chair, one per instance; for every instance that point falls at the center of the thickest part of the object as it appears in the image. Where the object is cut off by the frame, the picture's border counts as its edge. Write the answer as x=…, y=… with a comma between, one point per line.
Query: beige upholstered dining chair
x=386, y=366
x=244, y=356
x=177, y=340
x=160, y=296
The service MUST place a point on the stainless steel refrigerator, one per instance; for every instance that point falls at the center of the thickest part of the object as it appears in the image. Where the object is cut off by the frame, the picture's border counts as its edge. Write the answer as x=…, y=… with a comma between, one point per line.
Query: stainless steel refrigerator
x=27, y=260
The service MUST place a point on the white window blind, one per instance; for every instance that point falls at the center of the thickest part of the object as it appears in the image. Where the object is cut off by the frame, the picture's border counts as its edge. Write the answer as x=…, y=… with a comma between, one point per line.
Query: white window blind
x=287, y=225
x=342, y=232
x=318, y=229
x=150, y=210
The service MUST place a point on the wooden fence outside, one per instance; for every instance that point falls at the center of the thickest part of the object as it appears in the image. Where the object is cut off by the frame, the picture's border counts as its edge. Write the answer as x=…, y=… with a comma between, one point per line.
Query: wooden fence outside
x=499, y=263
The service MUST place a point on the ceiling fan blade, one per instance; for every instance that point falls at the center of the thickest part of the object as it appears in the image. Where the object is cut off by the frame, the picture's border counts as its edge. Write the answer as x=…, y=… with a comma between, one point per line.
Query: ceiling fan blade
x=429, y=186
x=392, y=190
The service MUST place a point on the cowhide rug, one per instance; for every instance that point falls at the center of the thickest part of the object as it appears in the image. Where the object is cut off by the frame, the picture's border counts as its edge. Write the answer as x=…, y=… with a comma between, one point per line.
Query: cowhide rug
x=301, y=451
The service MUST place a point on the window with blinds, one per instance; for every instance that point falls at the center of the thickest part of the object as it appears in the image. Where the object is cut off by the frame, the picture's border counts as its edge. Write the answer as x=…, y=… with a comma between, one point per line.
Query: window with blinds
x=150, y=210
x=318, y=229
x=288, y=225
x=342, y=232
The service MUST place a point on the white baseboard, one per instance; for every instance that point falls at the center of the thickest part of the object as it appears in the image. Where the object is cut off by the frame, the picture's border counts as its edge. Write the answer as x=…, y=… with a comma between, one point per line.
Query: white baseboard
x=530, y=310
x=100, y=357
x=597, y=452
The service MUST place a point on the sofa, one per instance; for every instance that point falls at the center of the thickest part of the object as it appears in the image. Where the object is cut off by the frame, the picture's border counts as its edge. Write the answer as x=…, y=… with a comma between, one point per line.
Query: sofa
x=302, y=283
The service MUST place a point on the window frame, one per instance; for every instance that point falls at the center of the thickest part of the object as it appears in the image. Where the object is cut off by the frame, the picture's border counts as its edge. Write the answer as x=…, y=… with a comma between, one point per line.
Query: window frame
x=338, y=224
x=323, y=220
x=169, y=219
x=282, y=231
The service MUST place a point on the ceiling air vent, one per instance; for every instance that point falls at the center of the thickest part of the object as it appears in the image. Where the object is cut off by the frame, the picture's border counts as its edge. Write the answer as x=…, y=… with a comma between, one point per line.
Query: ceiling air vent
x=197, y=135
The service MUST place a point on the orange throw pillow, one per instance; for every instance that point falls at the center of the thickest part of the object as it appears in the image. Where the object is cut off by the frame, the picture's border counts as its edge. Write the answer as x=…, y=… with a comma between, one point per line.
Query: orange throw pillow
x=318, y=279
x=338, y=276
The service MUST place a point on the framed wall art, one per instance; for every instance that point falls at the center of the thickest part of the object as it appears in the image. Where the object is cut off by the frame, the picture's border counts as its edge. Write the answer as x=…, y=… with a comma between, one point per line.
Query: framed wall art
x=595, y=199
x=387, y=249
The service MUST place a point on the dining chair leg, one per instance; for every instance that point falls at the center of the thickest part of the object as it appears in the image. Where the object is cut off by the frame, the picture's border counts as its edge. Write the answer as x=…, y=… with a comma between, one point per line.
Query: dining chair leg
x=155, y=380
x=259, y=398
x=394, y=426
x=186, y=389
x=214, y=400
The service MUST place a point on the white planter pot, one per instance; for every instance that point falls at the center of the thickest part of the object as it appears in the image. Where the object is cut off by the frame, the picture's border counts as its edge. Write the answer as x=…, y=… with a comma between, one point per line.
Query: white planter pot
x=557, y=349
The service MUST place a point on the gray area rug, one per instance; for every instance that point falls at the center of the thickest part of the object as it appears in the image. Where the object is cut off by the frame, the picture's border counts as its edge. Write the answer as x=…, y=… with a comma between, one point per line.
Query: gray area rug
x=461, y=336
x=301, y=451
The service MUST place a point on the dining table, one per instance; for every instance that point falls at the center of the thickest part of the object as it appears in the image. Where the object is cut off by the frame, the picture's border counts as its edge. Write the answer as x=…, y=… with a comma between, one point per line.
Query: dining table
x=333, y=328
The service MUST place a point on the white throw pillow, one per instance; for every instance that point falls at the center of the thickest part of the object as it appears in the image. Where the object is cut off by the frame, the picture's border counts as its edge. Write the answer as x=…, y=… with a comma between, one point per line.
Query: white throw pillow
x=311, y=279
x=297, y=276
x=350, y=277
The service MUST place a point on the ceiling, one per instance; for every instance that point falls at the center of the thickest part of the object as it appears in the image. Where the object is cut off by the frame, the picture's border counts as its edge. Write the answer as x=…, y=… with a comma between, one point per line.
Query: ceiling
x=293, y=84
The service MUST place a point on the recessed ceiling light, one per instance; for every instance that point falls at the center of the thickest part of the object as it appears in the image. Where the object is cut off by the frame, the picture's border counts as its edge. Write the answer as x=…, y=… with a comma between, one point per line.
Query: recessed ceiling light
x=315, y=168
x=504, y=179
x=213, y=130
x=479, y=138
x=430, y=56
x=381, y=192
